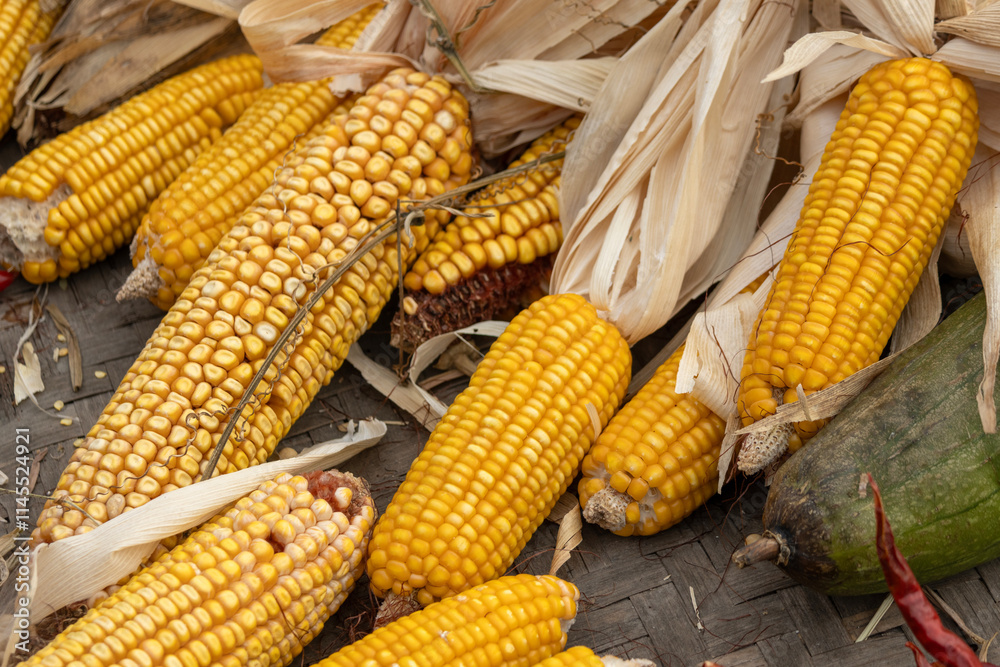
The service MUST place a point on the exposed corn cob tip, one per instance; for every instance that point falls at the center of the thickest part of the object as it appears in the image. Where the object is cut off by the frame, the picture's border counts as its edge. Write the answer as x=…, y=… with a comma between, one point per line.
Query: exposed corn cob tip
x=22, y=24
x=656, y=462
x=505, y=451
x=482, y=263
x=401, y=139
x=515, y=620
x=78, y=198
x=252, y=586
x=581, y=656
x=186, y=221
x=872, y=216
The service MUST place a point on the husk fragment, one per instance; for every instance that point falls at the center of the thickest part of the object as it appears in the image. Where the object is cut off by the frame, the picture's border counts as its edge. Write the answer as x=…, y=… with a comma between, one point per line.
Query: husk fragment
x=77, y=567
x=408, y=394
x=532, y=49
x=983, y=231
x=101, y=53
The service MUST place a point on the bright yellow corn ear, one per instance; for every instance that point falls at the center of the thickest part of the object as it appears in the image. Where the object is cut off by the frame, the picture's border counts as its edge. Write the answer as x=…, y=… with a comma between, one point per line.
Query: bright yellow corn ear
x=505, y=451
x=160, y=428
x=22, y=24
x=873, y=214
x=483, y=263
x=252, y=586
x=656, y=462
x=513, y=621
x=76, y=199
x=203, y=203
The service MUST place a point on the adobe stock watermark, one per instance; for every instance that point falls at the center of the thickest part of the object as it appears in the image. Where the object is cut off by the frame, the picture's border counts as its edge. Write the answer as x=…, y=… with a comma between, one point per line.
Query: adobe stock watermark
x=22, y=571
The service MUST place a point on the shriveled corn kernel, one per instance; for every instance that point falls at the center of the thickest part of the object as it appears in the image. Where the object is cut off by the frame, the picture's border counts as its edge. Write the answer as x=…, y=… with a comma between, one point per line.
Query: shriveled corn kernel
x=870, y=221
x=493, y=620
x=519, y=440
x=482, y=264
x=202, y=365
x=66, y=213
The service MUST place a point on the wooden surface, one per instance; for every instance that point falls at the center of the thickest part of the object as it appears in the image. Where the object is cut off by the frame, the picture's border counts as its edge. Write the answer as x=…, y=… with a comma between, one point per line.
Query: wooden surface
x=639, y=595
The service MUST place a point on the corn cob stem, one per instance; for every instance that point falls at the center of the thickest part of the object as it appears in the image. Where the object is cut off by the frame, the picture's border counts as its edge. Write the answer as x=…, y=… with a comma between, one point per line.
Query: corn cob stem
x=874, y=211
x=252, y=586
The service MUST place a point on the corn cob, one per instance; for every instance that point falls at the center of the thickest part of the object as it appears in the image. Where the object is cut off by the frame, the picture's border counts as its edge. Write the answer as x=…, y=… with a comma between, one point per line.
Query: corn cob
x=501, y=456
x=200, y=360
x=581, y=656
x=658, y=459
x=189, y=217
x=250, y=587
x=873, y=214
x=516, y=620
x=476, y=267
x=656, y=462
x=78, y=198
x=23, y=23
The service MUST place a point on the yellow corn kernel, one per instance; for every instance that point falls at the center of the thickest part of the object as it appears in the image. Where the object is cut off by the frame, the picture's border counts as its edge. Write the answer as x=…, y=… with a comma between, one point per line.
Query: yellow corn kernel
x=874, y=211
x=213, y=594
x=205, y=376
x=188, y=218
x=76, y=199
x=515, y=620
x=502, y=455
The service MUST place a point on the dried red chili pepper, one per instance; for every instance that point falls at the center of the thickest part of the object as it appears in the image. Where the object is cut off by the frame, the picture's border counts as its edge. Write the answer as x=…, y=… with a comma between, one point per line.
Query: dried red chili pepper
x=919, y=656
x=940, y=642
x=6, y=278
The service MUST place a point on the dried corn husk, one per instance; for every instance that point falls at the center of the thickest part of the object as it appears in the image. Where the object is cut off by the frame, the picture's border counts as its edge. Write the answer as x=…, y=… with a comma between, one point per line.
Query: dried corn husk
x=649, y=176
x=527, y=64
x=104, y=51
x=908, y=28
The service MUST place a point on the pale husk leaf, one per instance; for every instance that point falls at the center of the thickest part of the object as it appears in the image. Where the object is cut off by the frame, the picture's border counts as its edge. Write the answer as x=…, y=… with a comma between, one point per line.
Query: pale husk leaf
x=823, y=404
x=229, y=9
x=978, y=61
x=832, y=74
x=983, y=230
x=712, y=332
x=571, y=84
x=77, y=567
x=908, y=24
x=982, y=25
x=408, y=394
x=813, y=45
x=956, y=253
x=674, y=168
